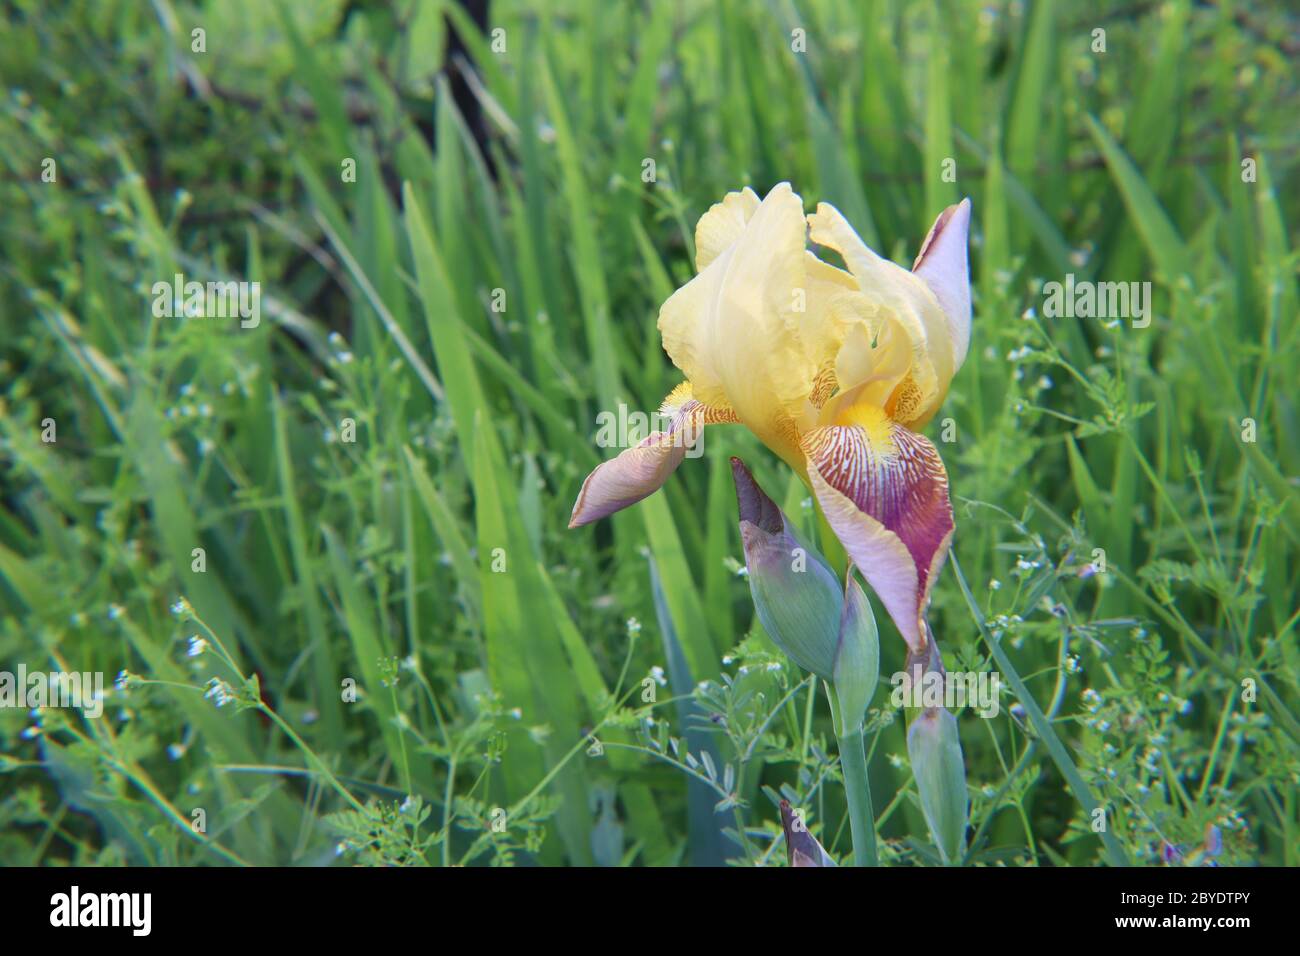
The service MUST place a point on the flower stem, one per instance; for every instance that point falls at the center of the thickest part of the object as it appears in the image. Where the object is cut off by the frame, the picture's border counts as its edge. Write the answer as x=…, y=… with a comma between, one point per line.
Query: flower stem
x=857, y=788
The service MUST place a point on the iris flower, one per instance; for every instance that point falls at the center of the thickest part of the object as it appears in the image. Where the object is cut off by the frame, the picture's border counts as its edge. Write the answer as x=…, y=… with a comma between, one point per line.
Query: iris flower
x=835, y=371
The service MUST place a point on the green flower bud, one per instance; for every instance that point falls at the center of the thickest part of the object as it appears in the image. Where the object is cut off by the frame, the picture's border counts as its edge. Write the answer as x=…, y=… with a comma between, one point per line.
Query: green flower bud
x=935, y=752
x=823, y=626
x=797, y=596
x=857, y=657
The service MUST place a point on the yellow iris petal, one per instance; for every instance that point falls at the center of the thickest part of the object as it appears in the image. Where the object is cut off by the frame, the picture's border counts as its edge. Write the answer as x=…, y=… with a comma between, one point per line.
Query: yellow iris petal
x=904, y=302
x=735, y=328
x=722, y=225
x=832, y=369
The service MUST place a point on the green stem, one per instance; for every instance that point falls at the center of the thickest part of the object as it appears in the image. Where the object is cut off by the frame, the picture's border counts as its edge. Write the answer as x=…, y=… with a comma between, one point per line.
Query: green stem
x=857, y=788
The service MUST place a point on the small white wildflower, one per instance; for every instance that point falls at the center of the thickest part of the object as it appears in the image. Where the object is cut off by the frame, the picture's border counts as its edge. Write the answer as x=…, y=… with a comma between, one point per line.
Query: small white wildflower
x=115, y=611
x=175, y=751
x=197, y=646
x=657, y=673
x=994, y=584
x=219, y=692
x=633, y=626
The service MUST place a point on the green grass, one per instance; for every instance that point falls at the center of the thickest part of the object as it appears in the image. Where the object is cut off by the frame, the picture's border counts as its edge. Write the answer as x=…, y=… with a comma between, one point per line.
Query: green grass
x=468, y=309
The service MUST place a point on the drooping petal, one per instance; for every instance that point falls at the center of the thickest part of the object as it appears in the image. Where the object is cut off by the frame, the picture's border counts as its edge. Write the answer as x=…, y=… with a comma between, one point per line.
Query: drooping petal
x=641, y=470
x=734, y=328
x=942, y=265
x=884, y=491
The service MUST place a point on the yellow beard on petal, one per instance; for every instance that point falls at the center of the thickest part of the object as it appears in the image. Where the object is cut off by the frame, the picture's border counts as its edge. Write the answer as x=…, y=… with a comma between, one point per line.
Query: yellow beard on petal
x=873, y=420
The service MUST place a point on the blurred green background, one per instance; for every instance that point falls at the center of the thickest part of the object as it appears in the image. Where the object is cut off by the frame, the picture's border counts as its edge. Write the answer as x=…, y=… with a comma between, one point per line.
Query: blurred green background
x=484, y=286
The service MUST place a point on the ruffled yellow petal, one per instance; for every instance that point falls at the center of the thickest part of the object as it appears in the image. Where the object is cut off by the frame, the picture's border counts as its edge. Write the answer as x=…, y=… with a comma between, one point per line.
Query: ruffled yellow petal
x=902, y=300
x=870, y=355
x=734, y=328
x=828, y=309
x=722, y=225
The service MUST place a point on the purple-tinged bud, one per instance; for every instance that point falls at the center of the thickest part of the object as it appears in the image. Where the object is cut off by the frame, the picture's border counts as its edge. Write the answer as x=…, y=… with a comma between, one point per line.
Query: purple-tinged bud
x=801, y=847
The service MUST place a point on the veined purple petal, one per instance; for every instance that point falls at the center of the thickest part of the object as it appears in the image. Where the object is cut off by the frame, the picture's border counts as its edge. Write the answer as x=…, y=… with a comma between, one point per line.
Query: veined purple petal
x=884, y=491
